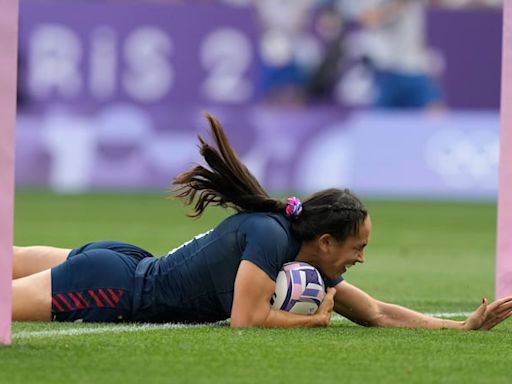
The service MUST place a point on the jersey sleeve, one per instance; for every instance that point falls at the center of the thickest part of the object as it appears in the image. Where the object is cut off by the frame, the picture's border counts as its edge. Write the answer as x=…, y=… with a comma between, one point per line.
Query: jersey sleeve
x=266, y=244
x=332, y=282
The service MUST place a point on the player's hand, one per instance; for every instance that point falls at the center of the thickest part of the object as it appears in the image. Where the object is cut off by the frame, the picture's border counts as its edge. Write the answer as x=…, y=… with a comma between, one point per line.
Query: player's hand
x=487, y=316
x=324, y=311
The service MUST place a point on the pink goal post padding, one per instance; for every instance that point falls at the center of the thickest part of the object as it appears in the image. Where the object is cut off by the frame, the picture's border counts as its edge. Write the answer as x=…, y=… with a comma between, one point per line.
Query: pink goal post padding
x=504, y=235
x=8, y=71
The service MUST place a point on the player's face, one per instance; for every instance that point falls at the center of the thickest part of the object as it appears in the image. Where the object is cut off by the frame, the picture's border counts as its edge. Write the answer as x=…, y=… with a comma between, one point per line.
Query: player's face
x=339, y=256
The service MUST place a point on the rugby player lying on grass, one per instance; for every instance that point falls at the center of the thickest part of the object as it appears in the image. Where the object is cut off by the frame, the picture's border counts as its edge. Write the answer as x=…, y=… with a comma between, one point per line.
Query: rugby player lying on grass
x=228, y=272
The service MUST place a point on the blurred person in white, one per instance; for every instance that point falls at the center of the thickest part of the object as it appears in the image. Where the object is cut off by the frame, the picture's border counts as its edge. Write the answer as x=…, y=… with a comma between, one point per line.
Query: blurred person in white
x=287, y=49
x=395, y=48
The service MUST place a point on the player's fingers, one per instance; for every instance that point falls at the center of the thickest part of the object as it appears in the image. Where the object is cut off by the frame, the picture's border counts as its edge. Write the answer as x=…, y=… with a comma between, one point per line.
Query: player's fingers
x=505, y=304
x=481, y=310
x=491, y=323
x=503, y=301
x=328, y=302
x=331, y=292
x=499, y=312
x=478, y=318
x=503, y=309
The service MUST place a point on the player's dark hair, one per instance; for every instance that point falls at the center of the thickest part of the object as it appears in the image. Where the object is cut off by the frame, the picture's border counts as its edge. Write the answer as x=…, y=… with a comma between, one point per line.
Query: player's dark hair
x=335, y=211
x=229, y=184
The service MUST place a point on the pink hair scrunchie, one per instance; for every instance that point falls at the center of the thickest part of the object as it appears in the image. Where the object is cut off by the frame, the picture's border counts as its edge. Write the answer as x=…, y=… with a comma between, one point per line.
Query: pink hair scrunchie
x=293, y=207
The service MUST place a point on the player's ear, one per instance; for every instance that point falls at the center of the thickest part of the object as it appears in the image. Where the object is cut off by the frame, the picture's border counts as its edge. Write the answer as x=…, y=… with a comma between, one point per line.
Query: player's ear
x=324, y=241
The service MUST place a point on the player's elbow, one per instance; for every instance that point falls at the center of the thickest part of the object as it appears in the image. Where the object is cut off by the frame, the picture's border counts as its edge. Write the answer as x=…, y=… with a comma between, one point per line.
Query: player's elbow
x=237, y=322
x=245, y=321
x=249, y=319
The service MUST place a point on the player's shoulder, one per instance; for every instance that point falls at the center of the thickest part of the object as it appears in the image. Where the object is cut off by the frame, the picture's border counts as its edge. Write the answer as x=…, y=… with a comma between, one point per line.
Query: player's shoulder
x=264, y=220
x=267, y=226
x=256, y=222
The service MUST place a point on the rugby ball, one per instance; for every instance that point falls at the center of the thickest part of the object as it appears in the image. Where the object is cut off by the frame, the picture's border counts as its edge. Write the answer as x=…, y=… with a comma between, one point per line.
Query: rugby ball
x=299, y=289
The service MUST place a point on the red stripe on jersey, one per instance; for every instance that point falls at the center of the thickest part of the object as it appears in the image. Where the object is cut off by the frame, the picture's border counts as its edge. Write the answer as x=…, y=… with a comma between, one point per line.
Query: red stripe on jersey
x=57, y=305
x=99, y=303
x=114, y=296
x=77, y=302
x=84, y=300
x=65, y=301
x=104, y=296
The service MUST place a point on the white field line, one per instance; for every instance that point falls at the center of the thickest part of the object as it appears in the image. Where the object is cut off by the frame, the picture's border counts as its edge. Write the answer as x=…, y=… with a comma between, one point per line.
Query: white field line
x=106, y=329
x=156, y=327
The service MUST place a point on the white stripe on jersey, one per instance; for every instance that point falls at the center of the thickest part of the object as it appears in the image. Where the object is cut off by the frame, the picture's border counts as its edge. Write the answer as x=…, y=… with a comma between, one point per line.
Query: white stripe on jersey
x=189, y=241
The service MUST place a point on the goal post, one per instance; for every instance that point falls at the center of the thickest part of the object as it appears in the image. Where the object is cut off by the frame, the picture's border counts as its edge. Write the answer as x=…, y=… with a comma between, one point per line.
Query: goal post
x=8, y=70
x=504, y=223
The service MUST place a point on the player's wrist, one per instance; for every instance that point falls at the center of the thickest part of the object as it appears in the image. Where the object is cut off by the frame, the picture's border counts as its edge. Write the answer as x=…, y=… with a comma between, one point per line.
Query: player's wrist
x=453, y=324
x=321, y=319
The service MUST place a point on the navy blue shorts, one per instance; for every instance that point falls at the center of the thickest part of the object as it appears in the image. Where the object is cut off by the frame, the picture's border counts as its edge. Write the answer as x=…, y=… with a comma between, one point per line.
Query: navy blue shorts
x=96, y=283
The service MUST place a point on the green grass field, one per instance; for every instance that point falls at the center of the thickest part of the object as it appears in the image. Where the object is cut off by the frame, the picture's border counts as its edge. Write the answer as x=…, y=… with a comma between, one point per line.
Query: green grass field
x=436, y=257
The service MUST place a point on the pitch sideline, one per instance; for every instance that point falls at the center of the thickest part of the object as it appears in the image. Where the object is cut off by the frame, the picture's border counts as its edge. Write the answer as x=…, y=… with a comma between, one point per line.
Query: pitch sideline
x=157, y=327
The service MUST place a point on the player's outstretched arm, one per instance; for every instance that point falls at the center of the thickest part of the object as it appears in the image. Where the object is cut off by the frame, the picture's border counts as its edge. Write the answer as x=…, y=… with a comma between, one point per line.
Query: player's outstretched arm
x=251, y=303
x=361, y=308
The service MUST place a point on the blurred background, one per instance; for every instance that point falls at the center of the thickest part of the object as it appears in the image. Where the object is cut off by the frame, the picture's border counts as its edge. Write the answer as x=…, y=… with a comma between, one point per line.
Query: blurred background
x=396, y=98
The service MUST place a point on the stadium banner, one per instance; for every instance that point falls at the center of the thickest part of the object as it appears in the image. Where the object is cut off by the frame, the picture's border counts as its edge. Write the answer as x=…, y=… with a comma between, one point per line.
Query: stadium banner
x=504, y=236
x=8, y=63
x=453, y=155
x=83, y=55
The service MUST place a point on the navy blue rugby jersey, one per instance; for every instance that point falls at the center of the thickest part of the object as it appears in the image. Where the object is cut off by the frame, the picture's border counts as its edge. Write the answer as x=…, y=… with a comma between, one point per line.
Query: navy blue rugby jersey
x=195, y=282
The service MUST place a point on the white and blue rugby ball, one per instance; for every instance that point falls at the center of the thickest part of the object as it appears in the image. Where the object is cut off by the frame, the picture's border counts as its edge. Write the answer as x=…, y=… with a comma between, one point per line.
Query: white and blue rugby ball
x=299, y=289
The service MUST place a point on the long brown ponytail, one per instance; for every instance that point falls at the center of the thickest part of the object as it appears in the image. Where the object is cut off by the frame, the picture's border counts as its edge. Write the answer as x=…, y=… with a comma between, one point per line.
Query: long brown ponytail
x=228, y=183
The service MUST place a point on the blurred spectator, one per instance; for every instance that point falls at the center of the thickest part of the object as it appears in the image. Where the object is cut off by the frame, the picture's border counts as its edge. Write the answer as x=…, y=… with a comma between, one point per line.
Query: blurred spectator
x=395, y=49
x=329, y=28
x=286, y=51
